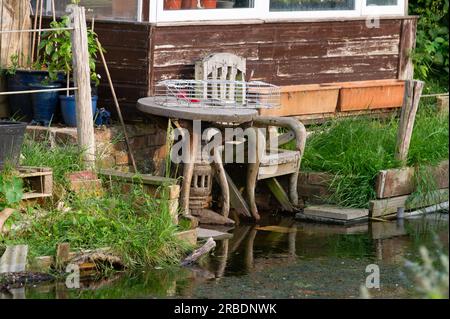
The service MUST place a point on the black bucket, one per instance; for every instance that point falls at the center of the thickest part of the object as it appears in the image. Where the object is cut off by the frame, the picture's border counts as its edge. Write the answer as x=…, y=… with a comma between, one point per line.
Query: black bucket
x=11, y=140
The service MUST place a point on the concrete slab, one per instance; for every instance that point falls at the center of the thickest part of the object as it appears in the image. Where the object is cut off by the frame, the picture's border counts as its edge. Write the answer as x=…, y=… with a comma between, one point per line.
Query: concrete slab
x=334, y=212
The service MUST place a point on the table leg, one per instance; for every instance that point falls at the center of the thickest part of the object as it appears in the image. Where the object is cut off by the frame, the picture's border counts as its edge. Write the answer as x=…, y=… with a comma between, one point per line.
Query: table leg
x=188, y=170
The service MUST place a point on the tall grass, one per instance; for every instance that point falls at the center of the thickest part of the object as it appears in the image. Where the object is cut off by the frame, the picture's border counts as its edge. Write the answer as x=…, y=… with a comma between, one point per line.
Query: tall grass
x=356, y=149
x=134, y=225
x=62, y=159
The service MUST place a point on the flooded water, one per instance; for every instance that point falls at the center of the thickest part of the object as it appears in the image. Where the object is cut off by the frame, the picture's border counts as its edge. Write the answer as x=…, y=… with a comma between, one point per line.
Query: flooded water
x=280, y=258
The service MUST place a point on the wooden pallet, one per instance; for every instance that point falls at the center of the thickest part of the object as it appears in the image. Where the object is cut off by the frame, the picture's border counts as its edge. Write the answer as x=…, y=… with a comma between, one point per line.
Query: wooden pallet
x=37, y=182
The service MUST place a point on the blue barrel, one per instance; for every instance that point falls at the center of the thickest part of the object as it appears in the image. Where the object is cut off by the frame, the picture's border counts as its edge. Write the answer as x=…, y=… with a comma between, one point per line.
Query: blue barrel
x=68, y=109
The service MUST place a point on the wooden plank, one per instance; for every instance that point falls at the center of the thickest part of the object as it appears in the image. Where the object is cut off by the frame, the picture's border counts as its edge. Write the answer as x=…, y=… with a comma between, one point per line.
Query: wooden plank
x=305, y=99
x=442, y=104
x=237, y=201
x=407, y=45
x=279, y=193
x=397, y=182
x=146, y=179
x=382, y=207
x=413, y=91
x=334, y=212
x=62, y=254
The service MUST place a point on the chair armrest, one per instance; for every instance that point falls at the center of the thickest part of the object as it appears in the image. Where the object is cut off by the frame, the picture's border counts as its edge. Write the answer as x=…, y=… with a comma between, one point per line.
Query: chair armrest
x=291, y=123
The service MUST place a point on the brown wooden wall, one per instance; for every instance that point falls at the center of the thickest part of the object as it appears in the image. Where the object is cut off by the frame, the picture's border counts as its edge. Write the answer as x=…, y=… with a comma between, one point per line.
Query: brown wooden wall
x=128, y=58
x=285, y=53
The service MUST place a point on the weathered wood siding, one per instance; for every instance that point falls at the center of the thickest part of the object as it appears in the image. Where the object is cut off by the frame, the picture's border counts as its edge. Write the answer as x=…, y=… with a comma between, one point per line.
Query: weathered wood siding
x=285, y=53
x=127, y=54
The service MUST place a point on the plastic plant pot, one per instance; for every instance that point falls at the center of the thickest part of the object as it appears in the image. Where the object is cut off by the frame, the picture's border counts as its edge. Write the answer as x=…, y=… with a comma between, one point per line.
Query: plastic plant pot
x=44, y=104
x=11, y=140
x=172, y=4
x=209, y=4
x=20, y=105
x=69, y=110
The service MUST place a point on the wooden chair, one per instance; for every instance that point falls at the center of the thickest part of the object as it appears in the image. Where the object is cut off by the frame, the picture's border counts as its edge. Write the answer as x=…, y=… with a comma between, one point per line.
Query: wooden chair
x=226, y=66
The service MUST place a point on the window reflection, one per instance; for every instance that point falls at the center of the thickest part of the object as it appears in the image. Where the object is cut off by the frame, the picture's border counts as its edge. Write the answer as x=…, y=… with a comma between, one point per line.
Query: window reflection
x=312, y=5
x=101, y=9
x=206, y=4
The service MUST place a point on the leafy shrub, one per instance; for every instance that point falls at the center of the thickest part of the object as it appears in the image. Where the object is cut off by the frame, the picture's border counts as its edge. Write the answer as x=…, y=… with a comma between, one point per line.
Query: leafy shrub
x=431, y=54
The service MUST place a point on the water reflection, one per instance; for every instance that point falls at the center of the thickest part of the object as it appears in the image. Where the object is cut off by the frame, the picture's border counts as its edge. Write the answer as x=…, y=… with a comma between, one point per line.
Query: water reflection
x=277, y=258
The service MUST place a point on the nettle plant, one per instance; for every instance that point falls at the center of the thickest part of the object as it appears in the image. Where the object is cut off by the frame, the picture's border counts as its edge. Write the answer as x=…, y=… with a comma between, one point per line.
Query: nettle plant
x=56, y=51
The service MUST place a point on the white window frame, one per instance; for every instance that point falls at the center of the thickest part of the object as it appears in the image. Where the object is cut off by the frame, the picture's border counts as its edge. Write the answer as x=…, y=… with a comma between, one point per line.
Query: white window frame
x=261, y=11
x=370, y=10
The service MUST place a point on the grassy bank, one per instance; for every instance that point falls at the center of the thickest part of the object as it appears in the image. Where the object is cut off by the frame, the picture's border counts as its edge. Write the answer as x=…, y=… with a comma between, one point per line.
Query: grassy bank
x=136, y=226
x=356, y=149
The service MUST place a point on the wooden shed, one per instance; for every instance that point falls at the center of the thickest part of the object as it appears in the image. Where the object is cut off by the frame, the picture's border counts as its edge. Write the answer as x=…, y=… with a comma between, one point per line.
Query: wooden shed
x=285, y=42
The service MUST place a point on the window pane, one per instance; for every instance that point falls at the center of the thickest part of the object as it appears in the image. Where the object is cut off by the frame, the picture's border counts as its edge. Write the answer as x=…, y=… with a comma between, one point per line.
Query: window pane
x=311, y=5
x=207, y=4
x=101, y=9
x=382, y=2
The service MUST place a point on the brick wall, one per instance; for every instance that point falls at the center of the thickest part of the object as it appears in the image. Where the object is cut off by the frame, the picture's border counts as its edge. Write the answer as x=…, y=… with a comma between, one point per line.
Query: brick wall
x=147, y=142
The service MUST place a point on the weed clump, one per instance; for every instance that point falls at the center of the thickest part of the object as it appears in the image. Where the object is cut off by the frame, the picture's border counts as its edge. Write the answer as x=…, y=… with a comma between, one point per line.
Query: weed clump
x=356, y=149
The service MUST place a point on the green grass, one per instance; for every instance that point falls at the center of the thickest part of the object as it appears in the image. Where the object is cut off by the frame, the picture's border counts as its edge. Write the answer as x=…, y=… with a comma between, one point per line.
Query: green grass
x=62, y=159
x=137, y=227
x=356, y=149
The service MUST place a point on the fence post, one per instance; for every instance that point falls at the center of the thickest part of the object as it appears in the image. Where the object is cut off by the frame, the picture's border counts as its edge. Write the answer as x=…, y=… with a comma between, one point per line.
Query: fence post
x=413, y=92
x=83, y=98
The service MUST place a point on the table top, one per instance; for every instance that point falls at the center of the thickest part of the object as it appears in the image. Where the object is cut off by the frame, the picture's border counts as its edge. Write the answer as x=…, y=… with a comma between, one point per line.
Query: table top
x=148, y=105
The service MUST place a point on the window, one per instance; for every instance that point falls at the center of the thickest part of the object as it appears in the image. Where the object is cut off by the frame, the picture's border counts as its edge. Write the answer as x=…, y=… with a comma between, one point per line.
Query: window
x=213, y=10
x=129, y=10
x=311, y=5
x=210, y=10
x=379, y=7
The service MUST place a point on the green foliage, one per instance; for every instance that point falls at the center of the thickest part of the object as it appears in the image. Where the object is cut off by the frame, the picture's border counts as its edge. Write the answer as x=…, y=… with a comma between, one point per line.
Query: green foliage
x=356, y=149
x=11, y=190
x=56, y=50
x=14, y=65
x=62, y=159
x=431, y=56
x=134, y=225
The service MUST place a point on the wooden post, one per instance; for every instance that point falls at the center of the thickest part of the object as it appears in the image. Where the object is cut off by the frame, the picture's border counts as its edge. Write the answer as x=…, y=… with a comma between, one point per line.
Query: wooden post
x=83, y=98
x=413, y=92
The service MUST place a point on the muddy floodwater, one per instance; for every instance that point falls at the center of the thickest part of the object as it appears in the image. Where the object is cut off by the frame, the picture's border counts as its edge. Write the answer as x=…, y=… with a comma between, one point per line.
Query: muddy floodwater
x=279, y=258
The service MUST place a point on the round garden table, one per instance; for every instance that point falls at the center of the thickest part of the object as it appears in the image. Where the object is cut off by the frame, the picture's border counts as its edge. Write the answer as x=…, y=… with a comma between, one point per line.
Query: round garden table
x=186, y=115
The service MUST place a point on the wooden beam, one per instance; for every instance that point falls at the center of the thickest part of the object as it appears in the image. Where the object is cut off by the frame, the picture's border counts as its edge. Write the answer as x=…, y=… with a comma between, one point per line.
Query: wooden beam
x=398, y=182
x=407, y=45
x=413, y=91
x=383, y=207
x=237, y=201
x=83, y=98
x=279, y=193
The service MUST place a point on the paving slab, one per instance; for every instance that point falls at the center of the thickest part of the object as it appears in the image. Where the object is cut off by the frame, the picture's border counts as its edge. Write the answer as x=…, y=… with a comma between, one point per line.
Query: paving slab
x=335, y=212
